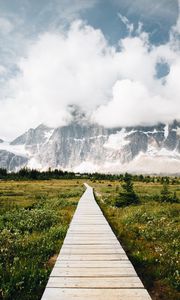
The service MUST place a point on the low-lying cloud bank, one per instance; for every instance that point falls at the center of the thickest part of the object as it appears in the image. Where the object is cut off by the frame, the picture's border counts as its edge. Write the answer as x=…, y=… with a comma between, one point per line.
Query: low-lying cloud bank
x=116, y=86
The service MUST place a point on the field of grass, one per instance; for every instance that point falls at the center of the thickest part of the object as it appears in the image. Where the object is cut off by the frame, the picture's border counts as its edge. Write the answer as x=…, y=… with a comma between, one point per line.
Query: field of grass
x=149, y=232
x=34, y=218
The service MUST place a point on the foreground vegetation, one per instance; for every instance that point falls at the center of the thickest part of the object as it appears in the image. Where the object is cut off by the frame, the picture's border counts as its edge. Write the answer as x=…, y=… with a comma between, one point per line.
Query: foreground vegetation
x=34, y=217
x=143, y=211
x=148, y=230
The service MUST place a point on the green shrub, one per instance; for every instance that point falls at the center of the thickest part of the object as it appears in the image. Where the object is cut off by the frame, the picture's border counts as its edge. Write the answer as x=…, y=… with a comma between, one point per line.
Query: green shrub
x=128, y=195
x=166, y=195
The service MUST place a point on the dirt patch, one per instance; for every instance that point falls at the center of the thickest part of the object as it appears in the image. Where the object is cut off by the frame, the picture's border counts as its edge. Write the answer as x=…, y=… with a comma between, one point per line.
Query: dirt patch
x=52, y=260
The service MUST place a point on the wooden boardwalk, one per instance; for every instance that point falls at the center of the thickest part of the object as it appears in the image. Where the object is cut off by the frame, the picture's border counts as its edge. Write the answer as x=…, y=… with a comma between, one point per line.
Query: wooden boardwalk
x=92, y=264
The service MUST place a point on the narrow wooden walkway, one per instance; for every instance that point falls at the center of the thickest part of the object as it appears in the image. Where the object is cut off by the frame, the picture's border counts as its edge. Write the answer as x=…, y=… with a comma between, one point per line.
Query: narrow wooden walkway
x=92, y=264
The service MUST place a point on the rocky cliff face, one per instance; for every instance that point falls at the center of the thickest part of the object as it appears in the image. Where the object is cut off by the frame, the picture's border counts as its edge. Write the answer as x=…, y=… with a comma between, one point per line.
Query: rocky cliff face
x=11, y=161
x=89, y=147
x=33, y=137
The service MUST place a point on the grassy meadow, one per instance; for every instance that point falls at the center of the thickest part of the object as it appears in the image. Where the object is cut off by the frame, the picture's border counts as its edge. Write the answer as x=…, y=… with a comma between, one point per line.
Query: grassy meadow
x=34, y=218
x=149, y=232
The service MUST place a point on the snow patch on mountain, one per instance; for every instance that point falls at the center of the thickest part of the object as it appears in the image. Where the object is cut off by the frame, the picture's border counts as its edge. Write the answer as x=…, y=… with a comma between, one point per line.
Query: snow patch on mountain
x=166, y=131
x=48, y=134
x=117, y=141
x=87, y=166
x=178, y=131
x=33, y=163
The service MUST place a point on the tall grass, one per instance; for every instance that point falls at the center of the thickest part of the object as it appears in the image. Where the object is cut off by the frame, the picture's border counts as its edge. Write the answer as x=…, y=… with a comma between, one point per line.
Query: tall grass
x=33, y=223
x=149, y=232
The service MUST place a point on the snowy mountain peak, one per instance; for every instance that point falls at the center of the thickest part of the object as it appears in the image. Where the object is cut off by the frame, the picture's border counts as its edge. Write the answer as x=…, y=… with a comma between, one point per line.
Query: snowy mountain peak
x=33, y=136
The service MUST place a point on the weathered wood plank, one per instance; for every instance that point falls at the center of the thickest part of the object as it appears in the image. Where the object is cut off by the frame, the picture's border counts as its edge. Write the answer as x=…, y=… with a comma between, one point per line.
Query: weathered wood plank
x=90, y=242
x=91, y=251
x=80, y=257
x=93, y=264
x=116, y=246
x=95, y=294
x=96, y=272
x=95, y=282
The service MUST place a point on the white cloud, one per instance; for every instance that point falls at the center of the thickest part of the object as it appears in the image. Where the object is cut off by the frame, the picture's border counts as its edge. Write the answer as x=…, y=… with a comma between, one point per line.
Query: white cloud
x=175, y=32
x=60, y=69
x=118, y=87
x=132, y=104
x=139, y=98
x=5, y=26
x=2, y=70
x=150, y=9
x=71, y=10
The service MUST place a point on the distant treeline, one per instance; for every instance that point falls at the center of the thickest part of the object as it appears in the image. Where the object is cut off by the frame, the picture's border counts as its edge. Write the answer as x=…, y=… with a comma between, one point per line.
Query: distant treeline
x=33, y=174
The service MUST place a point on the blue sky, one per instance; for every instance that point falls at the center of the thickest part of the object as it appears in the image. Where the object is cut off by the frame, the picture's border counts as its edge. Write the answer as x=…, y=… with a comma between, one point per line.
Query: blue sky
x=157, y=17
x=29, y=18
x=35, y=16
x=139, y=30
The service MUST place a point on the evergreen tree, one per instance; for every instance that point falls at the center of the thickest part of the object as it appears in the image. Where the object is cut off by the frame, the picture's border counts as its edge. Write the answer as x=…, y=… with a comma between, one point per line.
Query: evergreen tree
x=3, y=173
x=165, y=194
x=128, y=195
x=141, y=177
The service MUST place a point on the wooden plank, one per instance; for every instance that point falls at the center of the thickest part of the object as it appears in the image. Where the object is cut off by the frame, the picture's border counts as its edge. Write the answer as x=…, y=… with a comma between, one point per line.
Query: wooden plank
x=95, y=282
x=93, y=264
x=90, y=227
x=95, y=294
x=90, y=230
x=90, y=241
x=90, y=251
x=89, y=234
x=82, y=237
x=93, y=272
x=80, y=257
x=116, y=246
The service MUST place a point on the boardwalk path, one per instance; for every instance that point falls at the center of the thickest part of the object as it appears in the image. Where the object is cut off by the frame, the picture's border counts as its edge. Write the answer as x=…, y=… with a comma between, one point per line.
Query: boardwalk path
x=92, y=264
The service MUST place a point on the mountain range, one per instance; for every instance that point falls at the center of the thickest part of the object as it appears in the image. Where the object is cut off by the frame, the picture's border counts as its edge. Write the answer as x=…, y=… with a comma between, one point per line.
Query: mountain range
x=82, y=146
